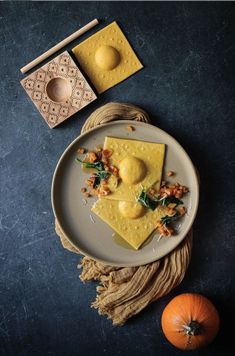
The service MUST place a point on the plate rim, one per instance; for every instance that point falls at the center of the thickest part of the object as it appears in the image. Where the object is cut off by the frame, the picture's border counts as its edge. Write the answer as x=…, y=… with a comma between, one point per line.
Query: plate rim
x=125, y=122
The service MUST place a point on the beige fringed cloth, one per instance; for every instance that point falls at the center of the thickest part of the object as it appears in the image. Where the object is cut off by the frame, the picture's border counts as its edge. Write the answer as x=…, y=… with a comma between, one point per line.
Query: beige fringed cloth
x=124, y=292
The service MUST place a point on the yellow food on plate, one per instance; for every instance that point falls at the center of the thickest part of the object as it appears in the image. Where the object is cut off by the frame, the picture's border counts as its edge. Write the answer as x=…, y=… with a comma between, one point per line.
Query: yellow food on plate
x=107, y=57
x=140, y=166
x=133, y=222
x=131, y=210
x=127, y=178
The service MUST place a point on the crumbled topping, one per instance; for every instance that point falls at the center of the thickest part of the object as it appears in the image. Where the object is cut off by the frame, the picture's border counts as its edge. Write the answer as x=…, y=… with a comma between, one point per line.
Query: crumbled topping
x=170, y=173
x=81, y=150
x=130, y=128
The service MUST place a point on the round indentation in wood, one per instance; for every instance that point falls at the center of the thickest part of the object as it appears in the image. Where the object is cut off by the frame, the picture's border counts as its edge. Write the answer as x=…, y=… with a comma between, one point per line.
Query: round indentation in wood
x=58, y=89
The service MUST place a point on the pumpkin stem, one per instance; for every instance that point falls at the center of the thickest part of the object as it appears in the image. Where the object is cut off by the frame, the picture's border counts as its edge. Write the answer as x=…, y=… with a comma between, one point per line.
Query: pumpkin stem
x=192, y=328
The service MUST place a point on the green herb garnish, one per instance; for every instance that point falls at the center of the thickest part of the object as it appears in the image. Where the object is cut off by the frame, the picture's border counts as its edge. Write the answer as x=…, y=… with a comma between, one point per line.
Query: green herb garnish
x=166, y=220
x=171, y=199
x=102, y=175
x=146, y=201
x=99, y=165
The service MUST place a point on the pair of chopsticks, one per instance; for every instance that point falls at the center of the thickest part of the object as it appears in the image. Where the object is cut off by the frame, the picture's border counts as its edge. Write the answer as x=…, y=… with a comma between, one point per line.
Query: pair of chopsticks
x=60, y=45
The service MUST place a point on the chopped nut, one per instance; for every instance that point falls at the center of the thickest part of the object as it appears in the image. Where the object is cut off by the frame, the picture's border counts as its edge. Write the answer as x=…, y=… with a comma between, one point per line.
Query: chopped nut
x=185, y=189
x=164, y=230
x=114, y=170
x=105, y=160
x=182, y=210
x=171, y=212
x=168, y=191
x=104, y=183
x=170, y=173
x=106, y=153
x=171, y=205
x=90, y=181
x=83, y=190
x=179, y=194
x=175, y=190
x=158, y=224
x=81, y=150
x=130, y=128
x=87, y=194
x=103, y=191
x=90, y=157
x=168, y=231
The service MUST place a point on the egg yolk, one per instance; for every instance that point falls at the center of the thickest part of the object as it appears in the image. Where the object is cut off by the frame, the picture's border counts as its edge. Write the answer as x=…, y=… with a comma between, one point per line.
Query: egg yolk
x=131, y=210
x=107, y=57
x=132, y=170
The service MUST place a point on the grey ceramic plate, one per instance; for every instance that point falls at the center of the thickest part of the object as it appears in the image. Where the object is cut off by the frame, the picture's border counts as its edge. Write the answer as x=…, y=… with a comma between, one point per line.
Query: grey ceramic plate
x=95, y=239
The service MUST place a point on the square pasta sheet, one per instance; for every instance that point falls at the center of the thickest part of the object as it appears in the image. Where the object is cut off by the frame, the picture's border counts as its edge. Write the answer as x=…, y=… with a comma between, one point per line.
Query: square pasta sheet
x=129, y=156
x=107, y=57
x=134, y=231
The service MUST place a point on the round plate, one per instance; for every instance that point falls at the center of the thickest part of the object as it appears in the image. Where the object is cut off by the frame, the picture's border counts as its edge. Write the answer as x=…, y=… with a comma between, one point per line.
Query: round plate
x=88, y=232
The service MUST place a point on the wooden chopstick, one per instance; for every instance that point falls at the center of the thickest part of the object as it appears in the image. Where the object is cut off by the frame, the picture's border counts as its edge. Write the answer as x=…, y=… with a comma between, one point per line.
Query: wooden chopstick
x=57, y=47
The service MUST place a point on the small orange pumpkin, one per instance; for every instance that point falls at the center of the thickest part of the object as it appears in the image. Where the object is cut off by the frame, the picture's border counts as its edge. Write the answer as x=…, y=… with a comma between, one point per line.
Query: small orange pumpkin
x=190, y=321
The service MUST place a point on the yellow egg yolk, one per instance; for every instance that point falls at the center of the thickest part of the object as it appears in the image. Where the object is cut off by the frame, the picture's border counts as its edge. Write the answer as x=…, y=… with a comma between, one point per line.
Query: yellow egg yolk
x=132, y=170
x=131, y=210
x=107, y=57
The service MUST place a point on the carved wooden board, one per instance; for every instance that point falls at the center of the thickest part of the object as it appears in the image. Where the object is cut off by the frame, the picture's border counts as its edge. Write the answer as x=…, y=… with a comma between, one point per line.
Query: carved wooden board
x=58, y=89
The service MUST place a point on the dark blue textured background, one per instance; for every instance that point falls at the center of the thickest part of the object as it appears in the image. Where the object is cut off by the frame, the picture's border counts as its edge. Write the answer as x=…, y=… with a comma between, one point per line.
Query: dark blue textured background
x=188, y=88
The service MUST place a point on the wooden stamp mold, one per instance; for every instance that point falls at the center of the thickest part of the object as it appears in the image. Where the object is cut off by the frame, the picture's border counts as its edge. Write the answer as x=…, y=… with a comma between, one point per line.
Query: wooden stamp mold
x=58, y=89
